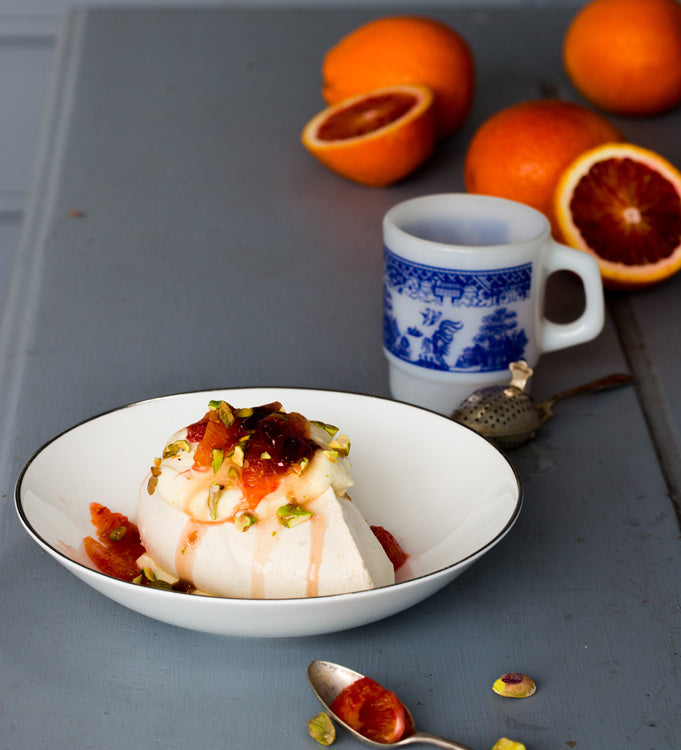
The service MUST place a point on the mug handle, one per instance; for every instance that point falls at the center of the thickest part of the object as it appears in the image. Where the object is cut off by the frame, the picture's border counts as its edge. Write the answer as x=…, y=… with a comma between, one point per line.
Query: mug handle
x=590, y=322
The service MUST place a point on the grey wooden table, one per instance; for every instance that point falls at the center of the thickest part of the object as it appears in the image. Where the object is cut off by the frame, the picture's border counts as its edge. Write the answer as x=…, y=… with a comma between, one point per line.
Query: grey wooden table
x=179, y=238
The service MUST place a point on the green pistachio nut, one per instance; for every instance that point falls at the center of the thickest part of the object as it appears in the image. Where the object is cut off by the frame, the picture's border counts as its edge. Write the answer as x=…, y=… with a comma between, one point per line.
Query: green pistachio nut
x=244, y=521
x=159, y=584
x=238, y=455
x=226, y=415
x=341, y=445
x=218, y=457
x=178, y=446
x=321, y=728
x=331, y=429
x=293, y=515
x=504, y=743
x=214, y=492
x=224, y=411
x=118, y=533
x=514, y=685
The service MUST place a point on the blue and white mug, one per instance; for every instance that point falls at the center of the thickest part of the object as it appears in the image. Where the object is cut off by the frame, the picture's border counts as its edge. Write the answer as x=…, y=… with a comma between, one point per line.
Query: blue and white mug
x=463, y=288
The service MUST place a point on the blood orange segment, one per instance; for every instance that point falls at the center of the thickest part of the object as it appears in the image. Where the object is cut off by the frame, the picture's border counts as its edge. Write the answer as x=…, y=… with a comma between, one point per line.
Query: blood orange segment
x=391, y=546
x=117, y=545
x=376, y=138
x=216, y=435
x=622, y=204
x=371, y=710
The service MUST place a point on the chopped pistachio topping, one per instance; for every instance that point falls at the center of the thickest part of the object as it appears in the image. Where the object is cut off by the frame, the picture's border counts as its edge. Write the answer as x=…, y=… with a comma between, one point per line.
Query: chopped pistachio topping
x=341, y=444
x=292, y=515
x=224, y=412
x=159, y=584
x=244, y=520
x=331, y=455
x=147, y=578
x=218, y=457
x=243, y=413
x=331, y=429
x=265, y=456
x=118, y=533
x=172, y=449
x=233, y=473
x=213, y=497
x=238, y=455
x=304, y=463
x=321, y=728
x=226, y=415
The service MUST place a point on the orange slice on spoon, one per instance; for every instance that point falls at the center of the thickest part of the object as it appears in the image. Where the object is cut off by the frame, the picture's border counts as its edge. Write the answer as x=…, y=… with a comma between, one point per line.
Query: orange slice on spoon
x=376, y=138
x=622, y=204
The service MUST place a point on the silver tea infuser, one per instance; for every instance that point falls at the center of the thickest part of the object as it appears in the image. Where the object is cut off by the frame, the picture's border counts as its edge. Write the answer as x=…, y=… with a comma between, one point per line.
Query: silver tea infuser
x=508, y=416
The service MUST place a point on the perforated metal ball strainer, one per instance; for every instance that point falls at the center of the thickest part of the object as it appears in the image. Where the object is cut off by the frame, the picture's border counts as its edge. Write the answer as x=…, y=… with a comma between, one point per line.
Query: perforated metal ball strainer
x=508, y=416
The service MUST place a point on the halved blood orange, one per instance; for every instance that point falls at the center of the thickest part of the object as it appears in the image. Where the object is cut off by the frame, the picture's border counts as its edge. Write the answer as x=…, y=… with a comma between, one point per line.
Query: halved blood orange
x=376, y=138
x=622, y=204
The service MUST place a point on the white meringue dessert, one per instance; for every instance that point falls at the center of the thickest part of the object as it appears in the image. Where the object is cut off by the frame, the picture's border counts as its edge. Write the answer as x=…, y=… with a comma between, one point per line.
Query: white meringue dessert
x=252, y=503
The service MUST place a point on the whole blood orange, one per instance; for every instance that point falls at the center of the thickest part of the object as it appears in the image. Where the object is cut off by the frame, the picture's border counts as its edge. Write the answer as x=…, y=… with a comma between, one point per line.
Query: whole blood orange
x=375, y=138
x=521, y=151
x=624, y=56
x=622, y=204
x=404, y=49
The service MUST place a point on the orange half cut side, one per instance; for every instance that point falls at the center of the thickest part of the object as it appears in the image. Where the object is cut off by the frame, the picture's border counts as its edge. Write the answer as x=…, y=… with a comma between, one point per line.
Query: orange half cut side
x=622, y=204
x=376, y=138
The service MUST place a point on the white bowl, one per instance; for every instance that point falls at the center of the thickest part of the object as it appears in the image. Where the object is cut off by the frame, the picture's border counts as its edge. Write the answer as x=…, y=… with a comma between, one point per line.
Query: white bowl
x=446, y=493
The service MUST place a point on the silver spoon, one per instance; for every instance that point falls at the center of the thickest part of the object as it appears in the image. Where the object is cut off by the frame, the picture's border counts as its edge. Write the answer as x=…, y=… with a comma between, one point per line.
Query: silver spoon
x=508, y=416
x=328, y=679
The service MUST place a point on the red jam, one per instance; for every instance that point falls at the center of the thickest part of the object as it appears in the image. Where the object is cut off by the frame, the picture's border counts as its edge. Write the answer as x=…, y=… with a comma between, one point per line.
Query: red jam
x=273, y=442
